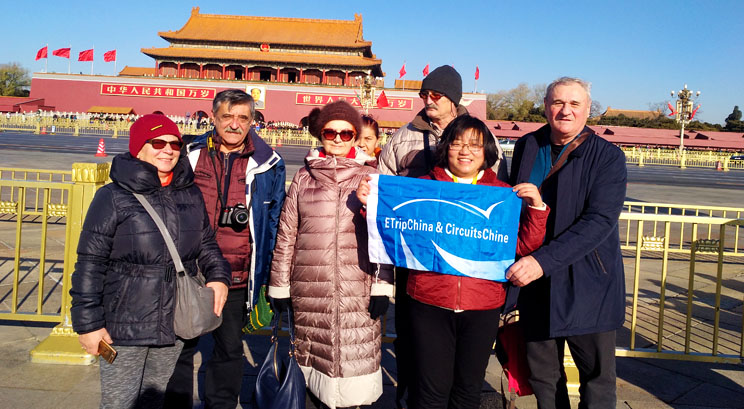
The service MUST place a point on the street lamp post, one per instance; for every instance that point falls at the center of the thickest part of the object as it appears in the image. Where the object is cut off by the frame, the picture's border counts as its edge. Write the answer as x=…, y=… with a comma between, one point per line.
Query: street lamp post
x=684, y=114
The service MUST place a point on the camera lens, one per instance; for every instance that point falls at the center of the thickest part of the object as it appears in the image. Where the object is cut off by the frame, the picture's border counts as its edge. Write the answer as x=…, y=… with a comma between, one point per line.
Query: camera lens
x=240, y=216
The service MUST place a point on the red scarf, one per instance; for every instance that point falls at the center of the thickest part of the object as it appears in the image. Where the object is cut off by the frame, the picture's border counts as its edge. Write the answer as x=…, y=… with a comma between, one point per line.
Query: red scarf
x=350, y=155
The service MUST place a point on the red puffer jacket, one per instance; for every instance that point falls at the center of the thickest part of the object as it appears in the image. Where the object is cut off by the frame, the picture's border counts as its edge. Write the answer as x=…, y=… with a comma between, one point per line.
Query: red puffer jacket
x=467, y=293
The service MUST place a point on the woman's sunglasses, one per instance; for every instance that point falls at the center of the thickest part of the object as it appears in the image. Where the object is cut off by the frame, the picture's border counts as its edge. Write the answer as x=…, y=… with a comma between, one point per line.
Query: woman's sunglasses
x=160, y=144
x=330, y=134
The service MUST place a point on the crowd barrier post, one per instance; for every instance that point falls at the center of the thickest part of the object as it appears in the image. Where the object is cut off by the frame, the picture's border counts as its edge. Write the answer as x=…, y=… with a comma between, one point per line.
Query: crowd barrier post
x=62, y=346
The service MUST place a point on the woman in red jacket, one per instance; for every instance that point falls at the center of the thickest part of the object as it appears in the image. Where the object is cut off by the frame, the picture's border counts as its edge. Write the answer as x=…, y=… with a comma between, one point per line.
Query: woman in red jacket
x=455, y=318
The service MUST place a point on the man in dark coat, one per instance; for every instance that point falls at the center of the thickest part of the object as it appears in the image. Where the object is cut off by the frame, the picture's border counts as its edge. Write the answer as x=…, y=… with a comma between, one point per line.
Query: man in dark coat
x=573, y=287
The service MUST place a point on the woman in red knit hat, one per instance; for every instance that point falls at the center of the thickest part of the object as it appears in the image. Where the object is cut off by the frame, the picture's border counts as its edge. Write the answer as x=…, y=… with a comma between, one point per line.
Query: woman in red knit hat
x=321, y=272
x=123, y=287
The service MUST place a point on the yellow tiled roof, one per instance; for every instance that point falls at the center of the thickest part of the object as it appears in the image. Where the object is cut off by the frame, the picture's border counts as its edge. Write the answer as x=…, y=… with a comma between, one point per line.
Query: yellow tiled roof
x=270, y=30
x=96, y=109
x=630, y=113
x=258, y=56
x=391, y=124
x=407, y=84
x=138, y=71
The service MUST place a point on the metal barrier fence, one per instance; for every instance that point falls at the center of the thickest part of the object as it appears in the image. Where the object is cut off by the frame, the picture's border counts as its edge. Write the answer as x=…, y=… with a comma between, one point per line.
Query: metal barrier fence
x=640, y=156
x=685, y=308
x=41, y=223
x=683, y=235
x=58, y=197
x=32, y=224
x=75, y=127
x=671, y=157
x=683, y=268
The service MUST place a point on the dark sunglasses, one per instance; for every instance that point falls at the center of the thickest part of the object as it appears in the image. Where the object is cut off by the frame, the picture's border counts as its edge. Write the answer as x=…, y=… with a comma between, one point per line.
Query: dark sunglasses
x=435, y=96
x=160, y=144
x=330, y=134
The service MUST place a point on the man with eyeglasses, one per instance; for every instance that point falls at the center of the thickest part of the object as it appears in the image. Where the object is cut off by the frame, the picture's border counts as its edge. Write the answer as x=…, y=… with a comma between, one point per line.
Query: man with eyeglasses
x=242, y=180
x=409, y=152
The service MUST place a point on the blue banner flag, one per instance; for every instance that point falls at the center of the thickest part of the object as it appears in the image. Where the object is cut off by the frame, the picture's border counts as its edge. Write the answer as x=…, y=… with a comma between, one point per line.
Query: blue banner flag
x=446, y=227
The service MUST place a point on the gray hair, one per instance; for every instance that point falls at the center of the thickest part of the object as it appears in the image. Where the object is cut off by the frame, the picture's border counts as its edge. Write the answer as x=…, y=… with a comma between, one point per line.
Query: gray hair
x=233, y=97
x=570, y=80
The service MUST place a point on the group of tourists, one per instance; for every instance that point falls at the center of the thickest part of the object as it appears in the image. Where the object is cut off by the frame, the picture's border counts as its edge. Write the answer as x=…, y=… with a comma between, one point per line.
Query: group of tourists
x=222, y=198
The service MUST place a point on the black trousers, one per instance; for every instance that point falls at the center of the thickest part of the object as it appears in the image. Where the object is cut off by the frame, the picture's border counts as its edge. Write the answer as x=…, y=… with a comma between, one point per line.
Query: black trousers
x=594, y=355
x=224, y=373
x=451, y=352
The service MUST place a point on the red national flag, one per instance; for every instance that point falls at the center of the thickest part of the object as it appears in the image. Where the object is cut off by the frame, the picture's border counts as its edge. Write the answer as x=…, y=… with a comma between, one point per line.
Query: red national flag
x=693, y=112
x=109, y=56
x=402, y=71
x=86, y=55
x=477, y=72
x=426, y=70
x=382, y=101
x=62, y=52
x=42, y=53
x=671, y=108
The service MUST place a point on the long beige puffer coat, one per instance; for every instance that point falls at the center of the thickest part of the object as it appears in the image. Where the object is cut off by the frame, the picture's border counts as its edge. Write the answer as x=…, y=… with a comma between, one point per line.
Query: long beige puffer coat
x=321, y=262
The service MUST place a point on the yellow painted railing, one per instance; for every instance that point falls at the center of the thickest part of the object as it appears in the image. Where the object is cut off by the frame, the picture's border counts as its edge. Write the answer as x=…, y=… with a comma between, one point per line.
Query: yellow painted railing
x=683, y=235
x=684, y=306
x=97, y=127
x=642, y=156
x=40, y=223
x=32, y=225
x=57, y=197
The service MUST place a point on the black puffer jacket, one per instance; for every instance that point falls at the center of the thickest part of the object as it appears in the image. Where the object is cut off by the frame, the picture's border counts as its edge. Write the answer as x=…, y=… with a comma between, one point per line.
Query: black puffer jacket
x=124, y=278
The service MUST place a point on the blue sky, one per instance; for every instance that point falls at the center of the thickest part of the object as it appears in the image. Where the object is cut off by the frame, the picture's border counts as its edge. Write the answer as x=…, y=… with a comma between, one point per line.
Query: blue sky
x=633, y=52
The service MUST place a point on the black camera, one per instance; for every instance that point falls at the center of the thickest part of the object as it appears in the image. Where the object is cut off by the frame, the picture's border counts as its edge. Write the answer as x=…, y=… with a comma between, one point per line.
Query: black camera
x=234, y=216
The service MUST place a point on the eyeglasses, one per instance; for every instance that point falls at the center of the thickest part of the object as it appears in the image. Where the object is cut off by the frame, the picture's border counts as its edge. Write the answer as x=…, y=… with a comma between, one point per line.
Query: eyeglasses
x=473, y=147
x=160, y=144
x=435, y=96
x=330, y=134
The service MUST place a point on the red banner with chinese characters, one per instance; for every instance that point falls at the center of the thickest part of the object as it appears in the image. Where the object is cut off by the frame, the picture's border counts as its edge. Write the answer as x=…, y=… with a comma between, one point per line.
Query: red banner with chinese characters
x=158, y=91
x=305, y=98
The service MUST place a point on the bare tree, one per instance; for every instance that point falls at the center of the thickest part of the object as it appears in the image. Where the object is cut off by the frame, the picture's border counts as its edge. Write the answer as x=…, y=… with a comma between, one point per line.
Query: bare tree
x=660, y=106
x=596, y=109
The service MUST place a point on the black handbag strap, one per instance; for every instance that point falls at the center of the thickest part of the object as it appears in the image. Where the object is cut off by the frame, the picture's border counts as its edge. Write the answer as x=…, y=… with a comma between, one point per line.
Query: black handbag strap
x=164, y=231
x=276, y=322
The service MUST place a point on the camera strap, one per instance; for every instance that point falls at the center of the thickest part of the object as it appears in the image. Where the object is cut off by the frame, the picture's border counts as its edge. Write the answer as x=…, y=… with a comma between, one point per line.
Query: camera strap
x=212, y=155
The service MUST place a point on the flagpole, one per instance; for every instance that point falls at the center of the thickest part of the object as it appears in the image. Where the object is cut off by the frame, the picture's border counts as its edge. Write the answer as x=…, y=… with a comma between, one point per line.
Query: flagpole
x=475, y=87
x=46, y=63
x=69, y=59
x=91, y=60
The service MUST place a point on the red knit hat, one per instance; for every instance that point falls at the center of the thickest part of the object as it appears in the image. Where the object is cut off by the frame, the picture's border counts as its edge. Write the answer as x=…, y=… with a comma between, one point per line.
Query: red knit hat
x=148, y=127
x=338, y=110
